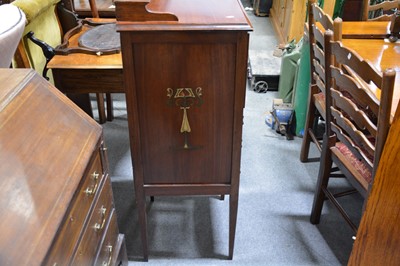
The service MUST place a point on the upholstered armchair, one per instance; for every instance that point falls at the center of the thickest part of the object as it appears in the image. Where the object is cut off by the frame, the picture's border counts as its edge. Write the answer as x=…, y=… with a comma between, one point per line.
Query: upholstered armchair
x=12, y=23
x=41, y=18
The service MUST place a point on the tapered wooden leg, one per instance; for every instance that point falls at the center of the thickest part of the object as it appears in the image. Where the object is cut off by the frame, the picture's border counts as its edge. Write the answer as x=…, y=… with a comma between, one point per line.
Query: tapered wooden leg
x=233, y=208
x=310, y=118
x=142, y=216
x=323, y=178
x=110, y=110
x=101, y=107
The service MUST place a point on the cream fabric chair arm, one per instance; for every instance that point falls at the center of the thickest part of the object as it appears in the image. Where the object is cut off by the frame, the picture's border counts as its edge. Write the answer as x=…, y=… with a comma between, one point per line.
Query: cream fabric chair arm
x=12, y=24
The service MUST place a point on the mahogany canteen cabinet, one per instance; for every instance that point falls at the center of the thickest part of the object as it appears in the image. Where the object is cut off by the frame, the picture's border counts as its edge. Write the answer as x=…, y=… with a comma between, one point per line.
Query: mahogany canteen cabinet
x=185, y=64
x=56, y=200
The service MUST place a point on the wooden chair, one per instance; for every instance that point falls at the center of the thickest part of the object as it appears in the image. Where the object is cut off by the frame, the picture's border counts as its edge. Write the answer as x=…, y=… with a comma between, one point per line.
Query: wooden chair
x=357, y=123
x=318, y=22
x=379, y=10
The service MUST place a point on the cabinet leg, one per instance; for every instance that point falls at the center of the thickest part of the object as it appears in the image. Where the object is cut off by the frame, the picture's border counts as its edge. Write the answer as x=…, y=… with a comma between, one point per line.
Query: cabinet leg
x=233, y=208
x=142, y=216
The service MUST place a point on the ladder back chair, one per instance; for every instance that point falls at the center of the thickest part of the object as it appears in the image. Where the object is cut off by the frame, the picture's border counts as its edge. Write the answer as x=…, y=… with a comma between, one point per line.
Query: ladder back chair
x=318, y=23
x=357, y=124
x=379, y=10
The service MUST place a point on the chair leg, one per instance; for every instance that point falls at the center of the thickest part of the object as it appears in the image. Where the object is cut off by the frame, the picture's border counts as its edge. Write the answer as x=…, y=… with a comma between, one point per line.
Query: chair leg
x=305, y=145
x=323, y=178
x=101, y=107
x=110, y=109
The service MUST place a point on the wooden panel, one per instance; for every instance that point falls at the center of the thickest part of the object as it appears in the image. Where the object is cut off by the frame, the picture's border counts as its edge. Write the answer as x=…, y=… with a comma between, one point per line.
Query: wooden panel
x=288, y=18
x=107, y=251
x=329, y=6
x=89, y=80
x=378, y=235
x=211, y=128
x=73, y=227
x=187, y=12
x=96, y=227
x=352, y=10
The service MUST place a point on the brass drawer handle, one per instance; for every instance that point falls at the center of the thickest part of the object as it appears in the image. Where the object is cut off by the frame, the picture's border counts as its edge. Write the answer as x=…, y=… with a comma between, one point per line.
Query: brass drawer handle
x=91, y=191
x=100, y=226
x=109, y=249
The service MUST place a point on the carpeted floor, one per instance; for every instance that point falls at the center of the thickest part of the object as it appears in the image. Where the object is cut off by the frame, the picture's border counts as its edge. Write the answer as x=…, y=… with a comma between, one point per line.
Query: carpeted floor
x=276, y=194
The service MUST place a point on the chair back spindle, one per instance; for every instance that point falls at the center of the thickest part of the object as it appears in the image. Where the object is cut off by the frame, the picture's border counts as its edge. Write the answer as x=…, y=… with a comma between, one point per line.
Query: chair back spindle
x=318, y=23
x=382, y=11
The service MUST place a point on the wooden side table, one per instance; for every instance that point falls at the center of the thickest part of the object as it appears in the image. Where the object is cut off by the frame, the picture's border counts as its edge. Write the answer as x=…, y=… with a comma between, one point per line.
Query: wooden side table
x=82, y=73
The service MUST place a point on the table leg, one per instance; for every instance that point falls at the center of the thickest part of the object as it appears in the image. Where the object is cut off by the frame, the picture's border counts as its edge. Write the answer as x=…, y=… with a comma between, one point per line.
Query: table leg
x=101, y=107
x=83, y=101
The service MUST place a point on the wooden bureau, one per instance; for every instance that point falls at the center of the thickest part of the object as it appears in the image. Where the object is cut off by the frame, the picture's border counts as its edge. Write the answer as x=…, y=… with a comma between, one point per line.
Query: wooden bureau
x=56, y=200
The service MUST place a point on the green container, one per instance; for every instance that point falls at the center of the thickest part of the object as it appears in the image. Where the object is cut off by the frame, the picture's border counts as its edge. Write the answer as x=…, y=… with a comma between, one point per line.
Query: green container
x=289, y=66
x=302, y=88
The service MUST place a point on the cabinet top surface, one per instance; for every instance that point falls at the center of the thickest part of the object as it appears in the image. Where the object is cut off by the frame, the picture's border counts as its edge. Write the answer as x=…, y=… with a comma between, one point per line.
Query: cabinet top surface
x=45, y=144
x=214, y=14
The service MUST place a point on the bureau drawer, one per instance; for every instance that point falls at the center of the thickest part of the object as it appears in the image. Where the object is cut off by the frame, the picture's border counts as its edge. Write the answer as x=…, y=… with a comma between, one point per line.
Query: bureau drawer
x=108, y=252
x=96, y=227
x=65, y=244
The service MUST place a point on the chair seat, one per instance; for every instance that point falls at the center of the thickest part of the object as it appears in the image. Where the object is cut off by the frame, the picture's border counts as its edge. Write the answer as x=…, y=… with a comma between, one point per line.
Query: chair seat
x=364, y=176
x=319, y=102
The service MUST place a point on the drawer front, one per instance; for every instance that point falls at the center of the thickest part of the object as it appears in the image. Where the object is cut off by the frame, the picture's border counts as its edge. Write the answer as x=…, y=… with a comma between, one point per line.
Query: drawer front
x=62, y=250
x=108, y=251
x=96, y=227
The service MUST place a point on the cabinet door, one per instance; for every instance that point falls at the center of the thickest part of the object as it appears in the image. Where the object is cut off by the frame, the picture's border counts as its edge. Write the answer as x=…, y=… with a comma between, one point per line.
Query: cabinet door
x=185, y=101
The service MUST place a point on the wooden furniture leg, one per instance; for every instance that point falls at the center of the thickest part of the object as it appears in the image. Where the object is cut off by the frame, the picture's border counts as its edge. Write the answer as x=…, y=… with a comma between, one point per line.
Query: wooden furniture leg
x=110, y=112
x=101, y=107
x=83, y=101
x=233, y=207
x=142, y=216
